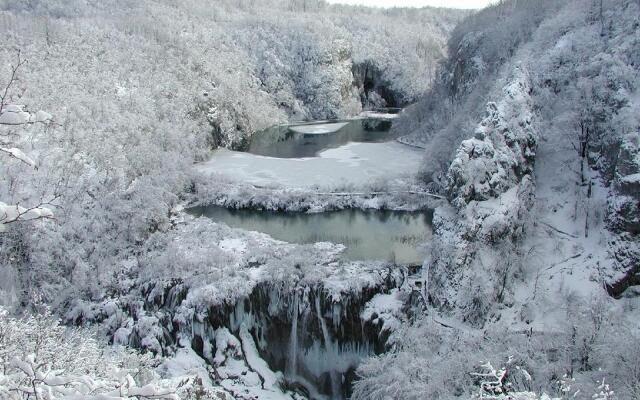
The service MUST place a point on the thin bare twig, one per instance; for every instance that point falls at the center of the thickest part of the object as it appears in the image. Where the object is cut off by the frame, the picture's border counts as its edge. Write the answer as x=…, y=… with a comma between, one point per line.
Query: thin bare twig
x=12, y=79
x=27, y=210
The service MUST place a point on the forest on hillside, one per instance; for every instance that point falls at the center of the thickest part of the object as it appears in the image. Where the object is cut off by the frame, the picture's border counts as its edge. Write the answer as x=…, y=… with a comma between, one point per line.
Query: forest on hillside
x=287, y=199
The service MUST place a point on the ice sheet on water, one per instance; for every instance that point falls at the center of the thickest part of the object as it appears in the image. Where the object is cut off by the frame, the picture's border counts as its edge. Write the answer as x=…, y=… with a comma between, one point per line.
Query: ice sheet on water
x=319, y=129
x=351, y=164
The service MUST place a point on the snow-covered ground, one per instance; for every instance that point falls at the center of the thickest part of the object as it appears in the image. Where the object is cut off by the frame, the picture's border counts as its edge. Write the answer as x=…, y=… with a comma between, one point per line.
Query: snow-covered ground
x=353, y=164
x=379, y=115
x=387, y=308
x=318, y=129
x=566, y=245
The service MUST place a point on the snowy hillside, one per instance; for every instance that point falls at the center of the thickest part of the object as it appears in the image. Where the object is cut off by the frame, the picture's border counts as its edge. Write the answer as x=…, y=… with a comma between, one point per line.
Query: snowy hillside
x=501, y=147
x=533, y=265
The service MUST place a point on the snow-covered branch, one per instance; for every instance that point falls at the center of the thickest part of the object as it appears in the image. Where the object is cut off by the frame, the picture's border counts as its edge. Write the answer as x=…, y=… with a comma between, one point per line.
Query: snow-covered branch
x=16, y=115
x=41, y=359
x=12, y=79
x=19, y=155
x=14, y=213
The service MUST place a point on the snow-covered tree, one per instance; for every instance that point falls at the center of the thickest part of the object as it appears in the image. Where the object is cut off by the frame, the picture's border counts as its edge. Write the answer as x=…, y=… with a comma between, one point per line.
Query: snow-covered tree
x=40, y=359
x=13, y=118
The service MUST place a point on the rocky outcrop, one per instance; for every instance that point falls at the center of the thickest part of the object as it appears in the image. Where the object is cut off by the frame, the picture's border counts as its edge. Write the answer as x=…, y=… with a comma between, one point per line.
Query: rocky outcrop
x=624, y=209
x=490, y=187
x=312, y=334
x=501, y=152
x=623, y=217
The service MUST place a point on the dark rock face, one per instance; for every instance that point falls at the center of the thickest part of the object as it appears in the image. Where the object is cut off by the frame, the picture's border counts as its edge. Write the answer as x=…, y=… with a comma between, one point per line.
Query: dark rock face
x=627, y=175
x=462, y=63
x=374, y=91
x=623, y=215
x=627, y=253
x=624, y=207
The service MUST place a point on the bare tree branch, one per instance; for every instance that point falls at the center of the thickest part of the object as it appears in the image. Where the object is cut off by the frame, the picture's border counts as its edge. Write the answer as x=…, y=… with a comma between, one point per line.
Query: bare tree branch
x=21, y=213
x=19, y=155
x=14, y=71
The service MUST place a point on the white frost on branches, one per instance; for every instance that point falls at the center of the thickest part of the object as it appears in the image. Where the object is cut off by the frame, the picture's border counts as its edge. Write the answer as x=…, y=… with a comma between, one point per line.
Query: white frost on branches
x=15, y=114
x=40, y=359
x=494, y=384
x=12, y=115
x=18, y=155
x=14, y=213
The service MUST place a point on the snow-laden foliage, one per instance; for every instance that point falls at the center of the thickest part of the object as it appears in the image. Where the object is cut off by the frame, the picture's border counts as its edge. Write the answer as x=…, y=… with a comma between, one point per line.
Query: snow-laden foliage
x=586, y=71
x=138, y=91
x=502, y=150
x=241, y=67
x=478, y=51
x=152, y=86
x=519, y=257
x=15, y=122
x=41, y=359
x=441, y=358
x=579, y=96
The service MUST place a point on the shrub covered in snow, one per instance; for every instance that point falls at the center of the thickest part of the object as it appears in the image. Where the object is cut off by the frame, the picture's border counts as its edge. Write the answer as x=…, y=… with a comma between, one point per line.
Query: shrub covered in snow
x=41, y=359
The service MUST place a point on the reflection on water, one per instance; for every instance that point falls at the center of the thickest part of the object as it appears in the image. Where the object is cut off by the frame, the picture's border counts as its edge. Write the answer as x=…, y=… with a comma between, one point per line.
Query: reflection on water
x=282, y=142
x=368, y=235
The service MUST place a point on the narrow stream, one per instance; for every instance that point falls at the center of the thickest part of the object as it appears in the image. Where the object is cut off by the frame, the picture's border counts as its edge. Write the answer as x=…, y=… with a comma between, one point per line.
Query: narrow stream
x=367, y=234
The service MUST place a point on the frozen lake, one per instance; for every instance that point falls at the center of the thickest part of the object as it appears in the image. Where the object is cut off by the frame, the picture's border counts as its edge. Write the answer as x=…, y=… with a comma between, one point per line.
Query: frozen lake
x=352, y=164
x=326, y=155
x=308, y=140
x=367, y=234
x=341, y=157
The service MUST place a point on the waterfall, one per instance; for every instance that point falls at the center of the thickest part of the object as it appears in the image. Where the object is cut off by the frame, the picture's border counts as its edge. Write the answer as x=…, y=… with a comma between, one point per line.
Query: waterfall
x=326, y=341
x=293, y=339
x=328, y=346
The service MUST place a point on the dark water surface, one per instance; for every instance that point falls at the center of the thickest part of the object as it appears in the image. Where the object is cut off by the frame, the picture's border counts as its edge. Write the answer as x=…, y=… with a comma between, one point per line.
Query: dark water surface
x=283, y=142
x=368, y=234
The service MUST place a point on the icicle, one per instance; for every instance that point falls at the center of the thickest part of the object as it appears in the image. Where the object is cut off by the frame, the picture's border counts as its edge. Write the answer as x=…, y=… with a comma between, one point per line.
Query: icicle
x=336, y=315
x=328, y=346
x=293, y=338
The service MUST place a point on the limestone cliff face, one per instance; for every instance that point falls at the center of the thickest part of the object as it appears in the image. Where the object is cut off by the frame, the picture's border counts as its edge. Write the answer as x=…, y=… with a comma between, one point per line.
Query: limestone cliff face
x=625, y=210
x=502, y=151
x=624, y=216
x=490, y=188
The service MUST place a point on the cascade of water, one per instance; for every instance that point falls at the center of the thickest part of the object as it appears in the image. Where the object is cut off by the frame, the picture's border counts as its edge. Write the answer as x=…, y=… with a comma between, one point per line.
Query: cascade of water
x=293, y=339
x=329, y=347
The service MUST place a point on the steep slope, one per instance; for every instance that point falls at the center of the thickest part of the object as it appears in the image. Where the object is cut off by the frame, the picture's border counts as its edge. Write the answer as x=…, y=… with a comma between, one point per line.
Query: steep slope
x=479, y=48
x=541, y=221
